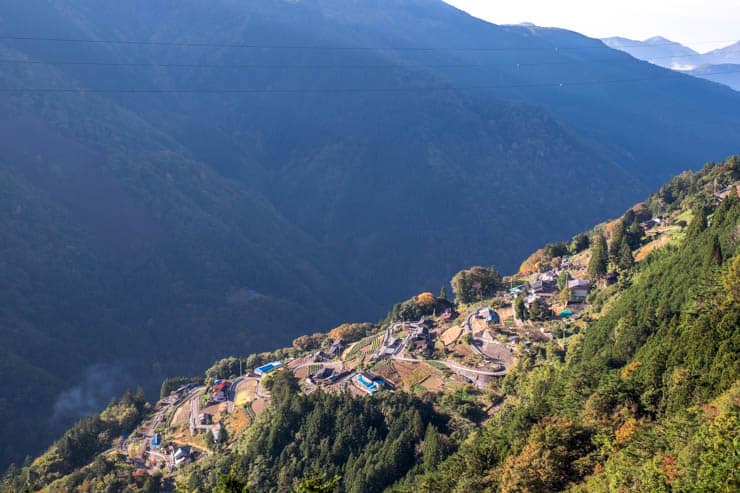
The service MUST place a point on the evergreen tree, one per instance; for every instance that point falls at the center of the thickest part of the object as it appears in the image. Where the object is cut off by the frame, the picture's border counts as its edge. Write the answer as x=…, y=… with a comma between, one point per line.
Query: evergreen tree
x=208, y=438
x=634, y=235
x=443, y=293
x=538, y=310
x=625, y=260
x=318, y=484
x=617, y=239
x=229, y=484
x=579, y=243
x=599, y=258
x=434, y=449
x=715, y=252
x=698, y=224
x=563, y=279
x=519, y=308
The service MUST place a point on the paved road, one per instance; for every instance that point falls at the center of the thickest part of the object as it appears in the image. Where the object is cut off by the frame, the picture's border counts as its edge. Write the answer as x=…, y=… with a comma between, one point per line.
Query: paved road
x=336, y=365
x=468, y=325
x=231, y=394
x=455, y=366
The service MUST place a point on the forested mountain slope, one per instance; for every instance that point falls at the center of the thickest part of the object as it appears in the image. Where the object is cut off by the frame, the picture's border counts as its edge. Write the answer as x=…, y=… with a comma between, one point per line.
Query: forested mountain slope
x=288, y=165
x=639, y=394
x=646, y=399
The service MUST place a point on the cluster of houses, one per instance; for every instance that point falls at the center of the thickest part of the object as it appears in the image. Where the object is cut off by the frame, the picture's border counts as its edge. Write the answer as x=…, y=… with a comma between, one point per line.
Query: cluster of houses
x=179, y=454
x=420, y=340
x=545, y=287
x=334, y=351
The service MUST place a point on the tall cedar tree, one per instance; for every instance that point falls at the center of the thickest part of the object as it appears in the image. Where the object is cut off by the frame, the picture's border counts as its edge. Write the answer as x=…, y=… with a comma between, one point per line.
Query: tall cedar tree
x=599, y=258
x=625, y=260
x=617, y=239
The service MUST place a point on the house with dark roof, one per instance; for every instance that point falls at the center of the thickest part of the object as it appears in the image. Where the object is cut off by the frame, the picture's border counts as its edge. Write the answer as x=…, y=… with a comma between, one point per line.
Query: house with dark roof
x=182, y=455
x=323, y=374
x=719, y=196
x=578, y=290
x=336, y=348
x=490, y=316
x=544, y=286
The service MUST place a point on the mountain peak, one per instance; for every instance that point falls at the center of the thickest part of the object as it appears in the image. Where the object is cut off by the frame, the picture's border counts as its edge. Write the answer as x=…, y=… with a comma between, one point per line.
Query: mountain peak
x=659, y=39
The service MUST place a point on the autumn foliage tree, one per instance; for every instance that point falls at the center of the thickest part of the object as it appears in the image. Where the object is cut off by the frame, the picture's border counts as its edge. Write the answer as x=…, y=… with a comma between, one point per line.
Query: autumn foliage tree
x=426, y=299
x=549, y=459
x=352, y=331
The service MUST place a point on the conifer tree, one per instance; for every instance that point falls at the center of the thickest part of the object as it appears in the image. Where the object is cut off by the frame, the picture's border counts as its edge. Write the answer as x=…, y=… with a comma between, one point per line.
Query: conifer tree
x=715, y=252
x=599, y=258
x=434, y=450
x=698, y=224
x=634, y=235
x=443, y=293
x=616, y=241
x=625, y=260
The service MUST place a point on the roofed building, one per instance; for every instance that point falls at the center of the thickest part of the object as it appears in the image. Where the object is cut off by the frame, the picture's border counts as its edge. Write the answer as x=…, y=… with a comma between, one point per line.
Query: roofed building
x=578, y=289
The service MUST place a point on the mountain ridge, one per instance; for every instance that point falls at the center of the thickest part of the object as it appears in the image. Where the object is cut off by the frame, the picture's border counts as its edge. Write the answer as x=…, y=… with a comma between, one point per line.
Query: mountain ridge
x=720, y=65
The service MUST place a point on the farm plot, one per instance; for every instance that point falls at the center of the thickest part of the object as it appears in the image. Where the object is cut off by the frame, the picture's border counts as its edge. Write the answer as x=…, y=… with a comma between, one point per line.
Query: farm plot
x=450, y=335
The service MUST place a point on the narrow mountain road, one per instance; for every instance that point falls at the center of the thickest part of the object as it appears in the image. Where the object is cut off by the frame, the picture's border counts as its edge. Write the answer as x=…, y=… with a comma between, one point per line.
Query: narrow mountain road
x=455, y=366
x=231, y=397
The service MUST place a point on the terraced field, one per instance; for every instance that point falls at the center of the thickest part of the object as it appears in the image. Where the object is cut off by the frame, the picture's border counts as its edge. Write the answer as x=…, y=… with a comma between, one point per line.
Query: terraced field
x=250, y=412
x=246, y=393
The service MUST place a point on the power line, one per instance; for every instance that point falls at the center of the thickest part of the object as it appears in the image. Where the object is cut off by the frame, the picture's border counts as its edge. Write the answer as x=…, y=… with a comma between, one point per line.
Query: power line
x=314, y=66
x=346, y=90
x=187, y=44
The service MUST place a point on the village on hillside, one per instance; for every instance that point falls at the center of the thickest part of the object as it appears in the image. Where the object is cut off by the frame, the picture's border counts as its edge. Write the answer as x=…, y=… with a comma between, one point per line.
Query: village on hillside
x=451, y=349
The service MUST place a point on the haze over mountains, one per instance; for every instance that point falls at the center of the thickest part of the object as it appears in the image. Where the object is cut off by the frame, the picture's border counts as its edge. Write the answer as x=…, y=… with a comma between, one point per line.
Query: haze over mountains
x=205, y=179
x=721, y=65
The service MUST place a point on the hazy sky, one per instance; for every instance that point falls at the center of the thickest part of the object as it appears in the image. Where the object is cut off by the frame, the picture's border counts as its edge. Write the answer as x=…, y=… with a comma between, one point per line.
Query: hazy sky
x=701, y=24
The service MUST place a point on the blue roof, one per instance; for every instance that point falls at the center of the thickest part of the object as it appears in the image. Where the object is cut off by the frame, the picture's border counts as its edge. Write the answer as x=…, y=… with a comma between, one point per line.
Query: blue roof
x=268, y=367
x=372, y=386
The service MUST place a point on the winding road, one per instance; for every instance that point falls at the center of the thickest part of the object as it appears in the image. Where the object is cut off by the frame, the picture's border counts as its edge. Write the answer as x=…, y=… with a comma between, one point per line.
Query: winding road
x=455, y=366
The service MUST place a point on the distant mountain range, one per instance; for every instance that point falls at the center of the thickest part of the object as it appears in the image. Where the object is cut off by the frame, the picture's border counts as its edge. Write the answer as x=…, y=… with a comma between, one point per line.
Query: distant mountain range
x=182, y=180
x=721, y=65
